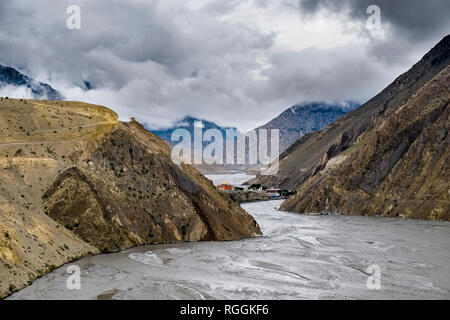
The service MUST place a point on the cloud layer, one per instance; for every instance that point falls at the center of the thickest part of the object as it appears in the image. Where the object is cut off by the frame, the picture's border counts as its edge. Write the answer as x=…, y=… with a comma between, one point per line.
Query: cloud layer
x=239, y=63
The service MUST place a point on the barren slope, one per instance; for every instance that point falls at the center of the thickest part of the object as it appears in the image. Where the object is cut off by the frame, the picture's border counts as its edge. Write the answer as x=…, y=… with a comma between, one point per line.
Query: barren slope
x=399, y=168
x=392, y=159
x=74, y=180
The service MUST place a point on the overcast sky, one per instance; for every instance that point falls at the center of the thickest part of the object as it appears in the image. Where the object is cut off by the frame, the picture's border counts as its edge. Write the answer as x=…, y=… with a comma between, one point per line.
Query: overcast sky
x=238, y=63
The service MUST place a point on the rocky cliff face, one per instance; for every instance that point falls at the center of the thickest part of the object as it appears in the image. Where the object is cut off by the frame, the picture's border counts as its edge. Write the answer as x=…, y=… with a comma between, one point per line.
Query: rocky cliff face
x=390, y=157
x=11, y=77
x=74, y=180
x=245, y=196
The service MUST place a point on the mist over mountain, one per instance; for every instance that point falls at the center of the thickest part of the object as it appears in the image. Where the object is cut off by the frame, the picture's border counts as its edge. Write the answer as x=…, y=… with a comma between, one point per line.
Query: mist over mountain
x=305, y=118
x=293, y=123
x=39, y=90
x=188, y=123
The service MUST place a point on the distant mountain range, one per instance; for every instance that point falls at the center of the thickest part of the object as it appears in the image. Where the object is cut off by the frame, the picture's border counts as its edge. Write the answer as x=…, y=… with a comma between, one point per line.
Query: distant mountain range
x=11, y=77
x=305, y=118
x=293, y=123
x=188, y=123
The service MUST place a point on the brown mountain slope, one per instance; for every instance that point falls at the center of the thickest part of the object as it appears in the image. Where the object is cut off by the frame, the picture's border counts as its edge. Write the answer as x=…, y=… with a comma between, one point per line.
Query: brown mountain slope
x=399, y=168
x=310, y=154
x=74, y=180
x=393, y=163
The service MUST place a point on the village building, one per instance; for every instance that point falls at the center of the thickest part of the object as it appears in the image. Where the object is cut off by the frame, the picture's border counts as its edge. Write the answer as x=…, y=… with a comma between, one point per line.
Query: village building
x=225, y=186
x=273, y=192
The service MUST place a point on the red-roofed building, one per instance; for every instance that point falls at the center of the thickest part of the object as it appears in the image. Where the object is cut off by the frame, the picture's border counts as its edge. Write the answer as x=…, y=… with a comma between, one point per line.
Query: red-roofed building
x=225, y=187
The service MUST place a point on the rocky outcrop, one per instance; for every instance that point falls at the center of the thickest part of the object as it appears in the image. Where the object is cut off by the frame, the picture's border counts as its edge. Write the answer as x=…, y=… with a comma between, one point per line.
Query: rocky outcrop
x=390, y=157
x=247, y=196
x=74, y=180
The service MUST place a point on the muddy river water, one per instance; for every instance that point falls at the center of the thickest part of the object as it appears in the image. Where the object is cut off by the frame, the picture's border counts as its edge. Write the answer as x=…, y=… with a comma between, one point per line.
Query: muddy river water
x=299, y=257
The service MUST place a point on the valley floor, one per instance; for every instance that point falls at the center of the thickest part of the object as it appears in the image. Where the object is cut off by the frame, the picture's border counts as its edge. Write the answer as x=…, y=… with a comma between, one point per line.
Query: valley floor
x=299, y=257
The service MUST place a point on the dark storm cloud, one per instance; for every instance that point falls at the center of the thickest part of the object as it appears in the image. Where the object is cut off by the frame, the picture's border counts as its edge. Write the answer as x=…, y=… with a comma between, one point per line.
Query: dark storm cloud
x=235, y=62
x=416, y=25
x=416, y=19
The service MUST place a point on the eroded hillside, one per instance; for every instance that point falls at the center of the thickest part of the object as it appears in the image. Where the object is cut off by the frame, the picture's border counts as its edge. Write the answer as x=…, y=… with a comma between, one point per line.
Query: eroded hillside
x=390, y=157
x=74, y=180
x=399, y=168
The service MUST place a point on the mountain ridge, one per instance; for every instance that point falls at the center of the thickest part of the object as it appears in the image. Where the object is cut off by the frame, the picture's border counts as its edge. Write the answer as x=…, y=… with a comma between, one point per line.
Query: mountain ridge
x=12, y=77
x=188, y=124
x=74, y=181
x=292, y=123
x=359, y=164
x=301, y=119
